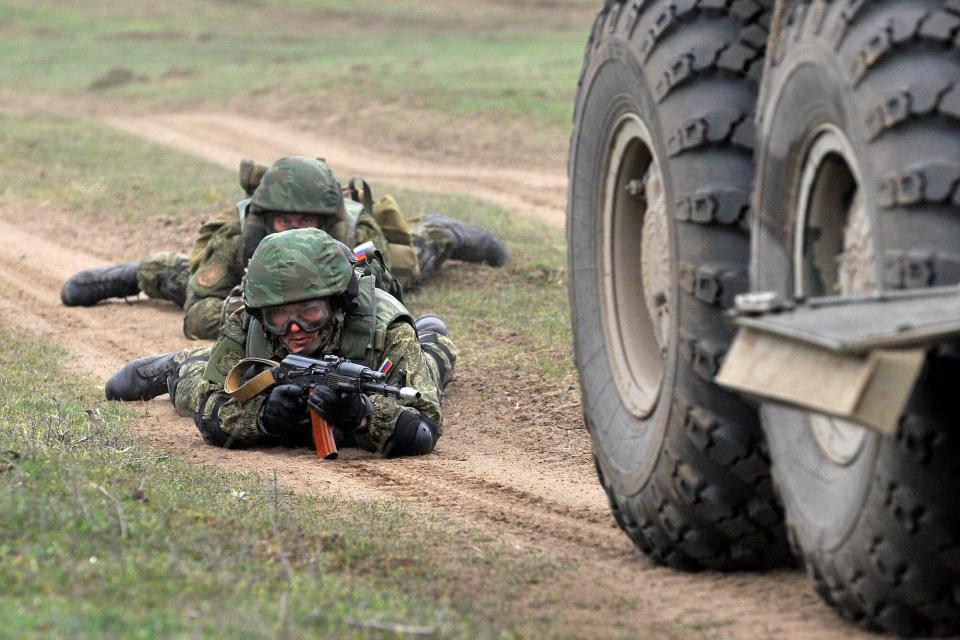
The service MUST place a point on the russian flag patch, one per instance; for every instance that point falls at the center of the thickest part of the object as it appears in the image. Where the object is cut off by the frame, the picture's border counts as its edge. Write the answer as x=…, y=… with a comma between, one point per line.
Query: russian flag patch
x=360, y=251
x=386, y=366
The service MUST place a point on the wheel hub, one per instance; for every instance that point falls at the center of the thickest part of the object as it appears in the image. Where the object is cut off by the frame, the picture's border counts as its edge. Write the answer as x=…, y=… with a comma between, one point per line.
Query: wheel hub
x=635, y=267
x=655, y=257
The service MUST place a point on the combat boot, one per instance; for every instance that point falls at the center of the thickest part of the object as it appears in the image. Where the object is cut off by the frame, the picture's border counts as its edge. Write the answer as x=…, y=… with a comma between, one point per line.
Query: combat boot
x=471, y=243
x=144, y=378
x=90, y=286
x=172, y=283
x=429, y=323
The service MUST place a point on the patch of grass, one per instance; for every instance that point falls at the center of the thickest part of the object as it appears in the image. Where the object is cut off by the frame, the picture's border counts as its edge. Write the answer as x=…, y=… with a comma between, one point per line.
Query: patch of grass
x=103, y=537
x=92, y=170
x=520, y=311
x=519, y=58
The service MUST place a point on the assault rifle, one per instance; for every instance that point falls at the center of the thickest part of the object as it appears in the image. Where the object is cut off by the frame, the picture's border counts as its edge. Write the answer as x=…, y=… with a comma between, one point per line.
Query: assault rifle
x=340, y=375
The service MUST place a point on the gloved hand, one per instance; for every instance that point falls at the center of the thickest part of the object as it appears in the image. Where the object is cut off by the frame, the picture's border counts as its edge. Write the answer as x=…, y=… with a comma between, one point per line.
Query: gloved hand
x=284, y=411
x=343, y=410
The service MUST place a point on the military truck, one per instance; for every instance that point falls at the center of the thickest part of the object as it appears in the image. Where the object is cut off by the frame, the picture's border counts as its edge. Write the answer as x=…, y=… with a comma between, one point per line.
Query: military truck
x=764, y=251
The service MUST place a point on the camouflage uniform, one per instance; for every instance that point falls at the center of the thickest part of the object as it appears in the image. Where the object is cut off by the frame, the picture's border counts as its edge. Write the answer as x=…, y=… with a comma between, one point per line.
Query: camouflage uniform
x=229, y=422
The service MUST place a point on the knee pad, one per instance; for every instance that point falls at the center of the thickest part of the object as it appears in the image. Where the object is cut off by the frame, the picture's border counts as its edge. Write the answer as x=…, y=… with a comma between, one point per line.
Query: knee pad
x=413, y=435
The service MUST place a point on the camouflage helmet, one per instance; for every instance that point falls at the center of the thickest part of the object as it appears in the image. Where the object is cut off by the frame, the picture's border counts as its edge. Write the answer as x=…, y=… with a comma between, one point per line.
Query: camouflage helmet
x=297, y=184
x=296, y=265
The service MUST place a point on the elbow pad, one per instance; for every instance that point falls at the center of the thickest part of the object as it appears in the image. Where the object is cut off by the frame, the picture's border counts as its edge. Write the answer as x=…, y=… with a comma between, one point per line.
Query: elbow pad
x=413, y=435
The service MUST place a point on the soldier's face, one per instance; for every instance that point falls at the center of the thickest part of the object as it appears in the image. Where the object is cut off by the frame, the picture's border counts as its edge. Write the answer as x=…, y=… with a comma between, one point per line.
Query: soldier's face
x=299, y=341
x=286, y=221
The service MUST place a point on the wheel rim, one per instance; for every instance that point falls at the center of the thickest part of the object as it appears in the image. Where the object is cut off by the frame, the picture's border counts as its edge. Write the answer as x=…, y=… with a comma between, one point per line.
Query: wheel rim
x=833, y=253
x=635, y=269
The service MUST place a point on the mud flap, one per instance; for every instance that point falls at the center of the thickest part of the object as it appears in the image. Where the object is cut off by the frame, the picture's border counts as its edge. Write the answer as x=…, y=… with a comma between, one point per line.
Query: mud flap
x=851, y=357
x=871, y=389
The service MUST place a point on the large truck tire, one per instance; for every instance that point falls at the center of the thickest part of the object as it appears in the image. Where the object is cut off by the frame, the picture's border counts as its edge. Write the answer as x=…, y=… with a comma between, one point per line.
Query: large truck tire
x=661, y=171
x=858, y=189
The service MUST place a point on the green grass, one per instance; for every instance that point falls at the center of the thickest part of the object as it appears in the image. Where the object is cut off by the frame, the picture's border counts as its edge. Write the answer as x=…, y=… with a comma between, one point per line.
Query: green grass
x=516, y=59
x=521, y=310
x=93, y=170
x=105, y=538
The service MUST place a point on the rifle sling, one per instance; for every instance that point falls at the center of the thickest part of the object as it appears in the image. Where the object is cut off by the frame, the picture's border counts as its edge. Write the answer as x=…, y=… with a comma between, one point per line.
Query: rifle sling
x=241, y=392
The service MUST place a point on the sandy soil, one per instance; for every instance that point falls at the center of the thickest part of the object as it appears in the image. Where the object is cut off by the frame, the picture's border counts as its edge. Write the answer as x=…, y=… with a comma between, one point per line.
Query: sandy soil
x=525, y=481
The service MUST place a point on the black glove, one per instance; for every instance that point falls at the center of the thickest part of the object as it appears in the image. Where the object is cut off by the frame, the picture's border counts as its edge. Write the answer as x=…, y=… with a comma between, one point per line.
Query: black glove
x=284, y=411
x=342, y=410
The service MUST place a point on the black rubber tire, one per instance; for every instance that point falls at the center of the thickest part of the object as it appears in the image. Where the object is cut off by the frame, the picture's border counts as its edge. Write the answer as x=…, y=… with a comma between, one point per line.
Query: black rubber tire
x=689, y=482
x=879, y=533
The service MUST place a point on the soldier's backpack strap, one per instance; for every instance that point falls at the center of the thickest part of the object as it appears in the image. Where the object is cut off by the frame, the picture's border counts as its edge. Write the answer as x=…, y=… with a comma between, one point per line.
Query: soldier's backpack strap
x=250, y=377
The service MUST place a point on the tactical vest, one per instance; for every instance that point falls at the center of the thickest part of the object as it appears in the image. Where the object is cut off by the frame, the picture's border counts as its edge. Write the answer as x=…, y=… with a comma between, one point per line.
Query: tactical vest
x=364, y=329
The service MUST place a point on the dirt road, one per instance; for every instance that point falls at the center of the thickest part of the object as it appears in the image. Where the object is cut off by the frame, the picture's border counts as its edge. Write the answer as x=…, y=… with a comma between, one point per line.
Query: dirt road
x=223, y=138
x=533, y=487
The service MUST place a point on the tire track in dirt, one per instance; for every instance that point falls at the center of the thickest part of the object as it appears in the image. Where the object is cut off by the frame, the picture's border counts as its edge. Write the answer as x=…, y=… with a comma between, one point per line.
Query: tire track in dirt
x=224, y=138
x=482, y=474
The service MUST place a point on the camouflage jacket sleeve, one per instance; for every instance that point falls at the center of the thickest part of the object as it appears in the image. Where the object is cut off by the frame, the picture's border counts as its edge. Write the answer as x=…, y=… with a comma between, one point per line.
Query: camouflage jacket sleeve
x=403, y=349
x=220, y=264
x=368, y=230
x=214, y=406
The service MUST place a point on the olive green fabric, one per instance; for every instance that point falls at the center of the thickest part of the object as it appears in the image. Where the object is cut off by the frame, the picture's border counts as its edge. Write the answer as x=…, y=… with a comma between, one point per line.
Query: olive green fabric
x=398, y=248
x=296, y=265
x=298, y=184
x=392, y=221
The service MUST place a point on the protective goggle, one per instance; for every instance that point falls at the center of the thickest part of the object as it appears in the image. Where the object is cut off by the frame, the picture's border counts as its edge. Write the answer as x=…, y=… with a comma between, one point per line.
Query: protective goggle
x=309, y=316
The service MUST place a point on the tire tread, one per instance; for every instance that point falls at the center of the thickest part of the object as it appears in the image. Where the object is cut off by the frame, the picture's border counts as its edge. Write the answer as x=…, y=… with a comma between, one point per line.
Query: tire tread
x=709, y=501
x=898, y=568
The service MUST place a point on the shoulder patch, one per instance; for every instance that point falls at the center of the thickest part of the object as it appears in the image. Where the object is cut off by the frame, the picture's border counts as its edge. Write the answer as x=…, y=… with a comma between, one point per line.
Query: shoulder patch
x=210, y=275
